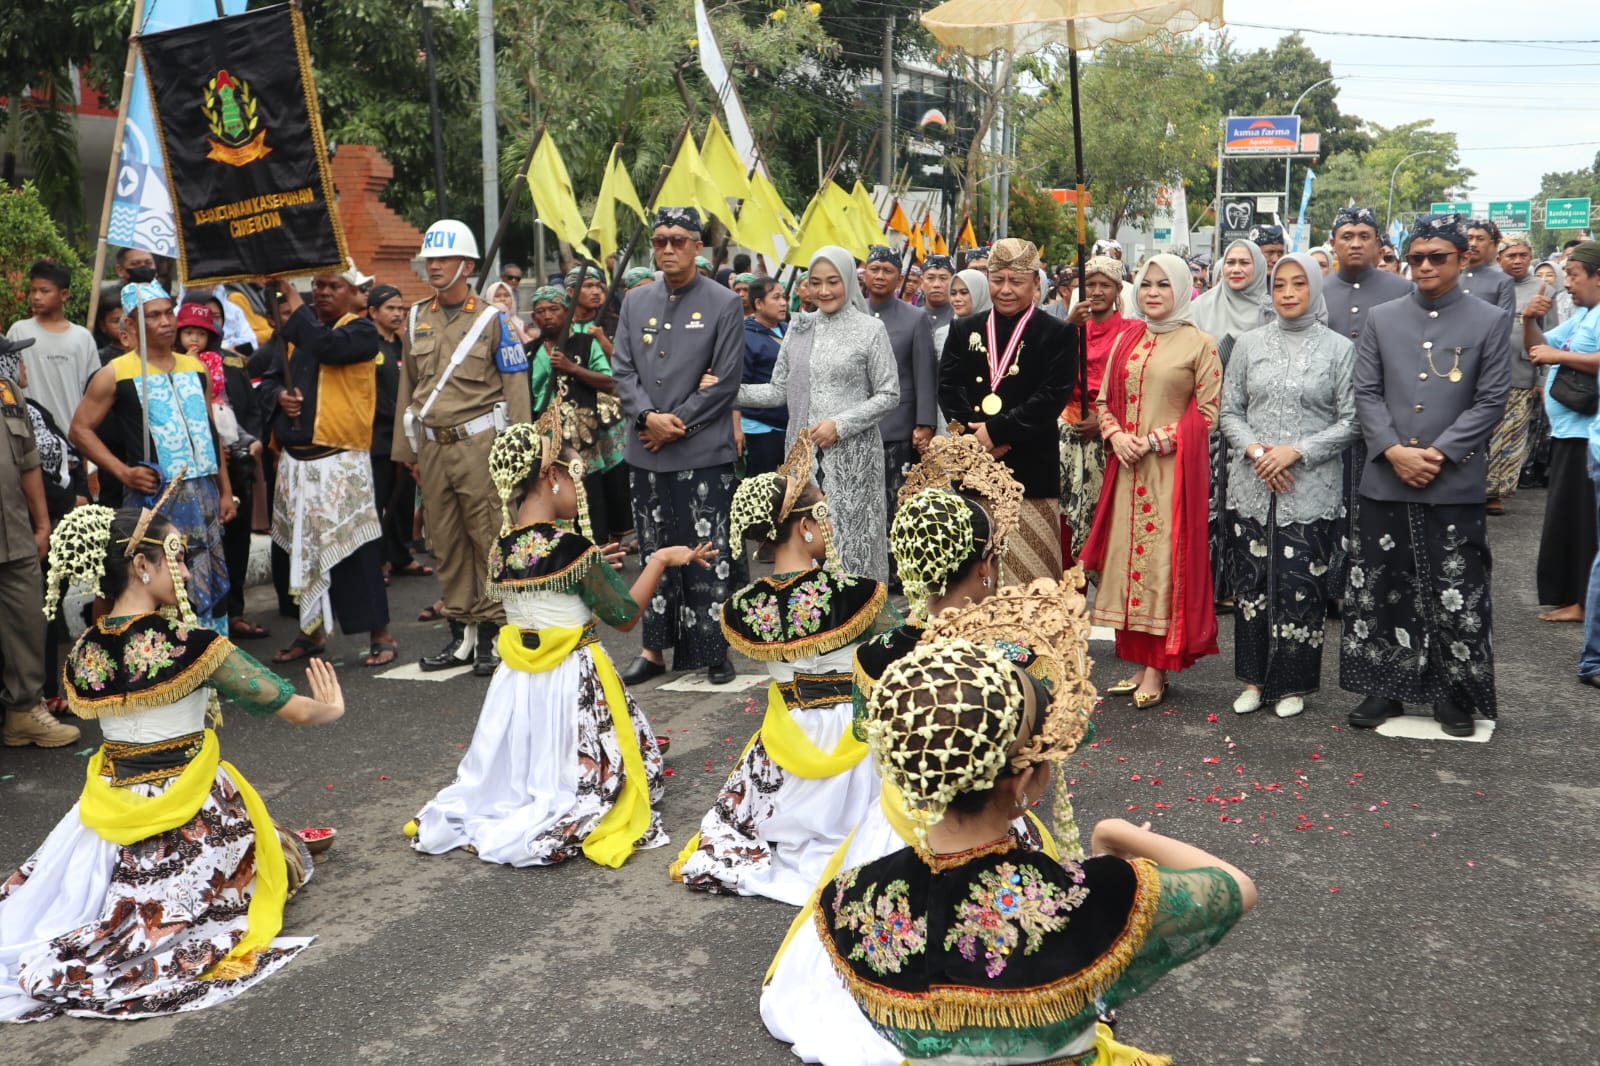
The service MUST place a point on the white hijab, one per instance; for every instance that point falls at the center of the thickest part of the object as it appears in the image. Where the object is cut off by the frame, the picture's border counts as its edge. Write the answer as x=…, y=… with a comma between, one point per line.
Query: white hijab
x=1177, y=272
x=977, y=283
x=1225, y=312
x=845, y=264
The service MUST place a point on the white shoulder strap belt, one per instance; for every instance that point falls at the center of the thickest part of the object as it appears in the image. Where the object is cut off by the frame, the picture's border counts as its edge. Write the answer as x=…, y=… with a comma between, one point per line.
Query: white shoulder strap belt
x=457, y=357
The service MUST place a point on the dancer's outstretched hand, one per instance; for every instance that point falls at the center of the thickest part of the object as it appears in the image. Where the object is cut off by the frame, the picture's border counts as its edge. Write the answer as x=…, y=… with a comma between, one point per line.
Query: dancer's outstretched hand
x=324, y=685
x=682, y=555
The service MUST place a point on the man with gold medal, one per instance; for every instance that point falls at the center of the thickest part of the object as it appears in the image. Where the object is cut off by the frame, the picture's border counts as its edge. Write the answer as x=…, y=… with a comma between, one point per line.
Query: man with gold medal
x=1004, y=376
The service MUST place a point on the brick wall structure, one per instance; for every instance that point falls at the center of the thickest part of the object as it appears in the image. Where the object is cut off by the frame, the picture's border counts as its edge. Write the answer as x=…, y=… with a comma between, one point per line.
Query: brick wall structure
x=381, y=242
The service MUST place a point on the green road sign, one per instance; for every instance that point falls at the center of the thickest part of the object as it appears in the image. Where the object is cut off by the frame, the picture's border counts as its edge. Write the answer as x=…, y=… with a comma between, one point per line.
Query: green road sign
x=1566, y=214
x=1460, y=207
x=1511, y=214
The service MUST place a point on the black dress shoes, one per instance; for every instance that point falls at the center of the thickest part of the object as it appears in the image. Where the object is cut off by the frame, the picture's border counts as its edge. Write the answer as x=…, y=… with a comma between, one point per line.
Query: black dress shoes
x=459, y=652
x=722, y=673
x=641, y=670
x=1374, y=711
x=487, y=658
x=1452, y=719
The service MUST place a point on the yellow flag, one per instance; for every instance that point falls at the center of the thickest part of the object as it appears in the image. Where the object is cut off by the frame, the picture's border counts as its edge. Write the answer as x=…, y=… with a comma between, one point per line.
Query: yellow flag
x=966, y=238
x=759, y=223
x=616, y=190
x=722, y=163
x=761, y=187
x=919, y=244
x=872, y=225
x=844, y=215
x=553, y=198
x=688, y=185
x=939, y=246
x=820, y=225
x=898, y=221
x=927, y=229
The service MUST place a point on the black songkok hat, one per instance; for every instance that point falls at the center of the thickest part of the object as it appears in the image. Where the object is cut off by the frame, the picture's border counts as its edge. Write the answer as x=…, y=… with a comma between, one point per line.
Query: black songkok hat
x=1451, y=227
x=380, y=295
x=882, y=253
x=940, y=262
x=686, y=217
x=1355, y=216
x=1486, y=225
x=1267, y=235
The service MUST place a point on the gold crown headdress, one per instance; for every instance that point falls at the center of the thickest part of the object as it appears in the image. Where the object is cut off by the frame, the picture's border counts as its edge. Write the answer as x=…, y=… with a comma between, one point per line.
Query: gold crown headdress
x=960, y=463
x=751, y=512
x=932, y=535
x=953, y=714
x=515, y=452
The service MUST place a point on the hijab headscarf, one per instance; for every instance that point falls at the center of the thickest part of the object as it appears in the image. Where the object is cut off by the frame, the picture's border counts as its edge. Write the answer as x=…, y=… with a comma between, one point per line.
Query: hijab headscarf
x=1177, y=272
x=845, y=264
x=1225, y=312
x=977, y=283
x=1316, y=309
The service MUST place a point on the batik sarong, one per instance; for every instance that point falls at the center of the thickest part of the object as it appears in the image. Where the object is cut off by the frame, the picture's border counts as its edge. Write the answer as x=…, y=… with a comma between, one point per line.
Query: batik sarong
x=1280, y=585
x=192, y=507
x=1034, y=550
x=1508, y=447
x=688, y=507
x=1416, y=611
x=1083, y=472
x=322, y=513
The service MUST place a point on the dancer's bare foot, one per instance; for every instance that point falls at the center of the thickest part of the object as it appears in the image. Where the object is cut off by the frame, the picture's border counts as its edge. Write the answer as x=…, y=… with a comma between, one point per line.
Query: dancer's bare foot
x=1572, y=612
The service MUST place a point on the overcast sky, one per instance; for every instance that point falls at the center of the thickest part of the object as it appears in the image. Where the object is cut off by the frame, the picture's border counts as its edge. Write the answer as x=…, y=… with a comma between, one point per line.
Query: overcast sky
x=1490, y=95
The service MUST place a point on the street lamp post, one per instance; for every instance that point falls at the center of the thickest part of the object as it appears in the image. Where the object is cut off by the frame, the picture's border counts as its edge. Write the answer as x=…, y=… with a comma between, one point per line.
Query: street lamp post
x=1389, y=214
x=1289, y=161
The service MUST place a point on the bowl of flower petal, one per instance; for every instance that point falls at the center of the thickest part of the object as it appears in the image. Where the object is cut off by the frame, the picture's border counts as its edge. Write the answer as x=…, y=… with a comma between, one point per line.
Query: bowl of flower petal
x=317, y=840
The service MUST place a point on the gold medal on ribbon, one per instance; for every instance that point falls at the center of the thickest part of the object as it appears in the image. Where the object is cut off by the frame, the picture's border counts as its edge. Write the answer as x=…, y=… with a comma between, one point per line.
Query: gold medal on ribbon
x=990, y=405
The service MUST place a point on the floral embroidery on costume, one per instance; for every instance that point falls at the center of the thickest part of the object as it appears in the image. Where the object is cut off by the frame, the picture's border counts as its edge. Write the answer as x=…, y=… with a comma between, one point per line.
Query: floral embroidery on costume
x=524, y=552
x=889, y=935
x=92, y=667
x=1007, y=904
x=150, y=652
x=810, y=602
x=763, y=616
x=806, y=613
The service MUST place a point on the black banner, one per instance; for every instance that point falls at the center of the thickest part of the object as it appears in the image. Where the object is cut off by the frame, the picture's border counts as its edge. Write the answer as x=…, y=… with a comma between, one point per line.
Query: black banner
x=236, y=111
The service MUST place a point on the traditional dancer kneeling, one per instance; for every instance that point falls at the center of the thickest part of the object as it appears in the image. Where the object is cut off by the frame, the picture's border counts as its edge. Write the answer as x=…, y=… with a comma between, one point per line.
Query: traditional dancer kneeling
x=803, y=781
x=162, y=890
x=969, y=946
x=562, y=760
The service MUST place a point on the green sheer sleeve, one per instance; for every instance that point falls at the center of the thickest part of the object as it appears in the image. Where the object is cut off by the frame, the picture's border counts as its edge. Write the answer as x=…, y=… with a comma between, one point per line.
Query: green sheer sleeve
x=1195, y=910
x=888, y=618
x=252, y=686
x=606, y=593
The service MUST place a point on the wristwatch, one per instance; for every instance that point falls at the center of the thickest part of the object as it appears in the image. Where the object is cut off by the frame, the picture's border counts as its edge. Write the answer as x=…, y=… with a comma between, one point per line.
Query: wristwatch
x=1256, y=453
x=638, y=423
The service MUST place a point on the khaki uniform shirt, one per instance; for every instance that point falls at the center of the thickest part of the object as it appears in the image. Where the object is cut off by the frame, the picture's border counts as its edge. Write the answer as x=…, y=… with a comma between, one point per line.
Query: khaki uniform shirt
x=491, y=373
x=18, y=455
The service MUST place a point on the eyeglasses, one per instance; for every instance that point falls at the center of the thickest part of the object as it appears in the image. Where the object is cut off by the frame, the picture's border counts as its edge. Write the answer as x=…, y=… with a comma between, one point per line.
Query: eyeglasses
x=511, y=279
x=1416, y=259
x=1391, y=259
x=674, y=240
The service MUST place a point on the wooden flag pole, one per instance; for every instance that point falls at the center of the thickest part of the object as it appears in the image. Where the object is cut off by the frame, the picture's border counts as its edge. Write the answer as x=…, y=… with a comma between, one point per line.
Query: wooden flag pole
x=661, y=180
x=116, y=165
x=517, y=183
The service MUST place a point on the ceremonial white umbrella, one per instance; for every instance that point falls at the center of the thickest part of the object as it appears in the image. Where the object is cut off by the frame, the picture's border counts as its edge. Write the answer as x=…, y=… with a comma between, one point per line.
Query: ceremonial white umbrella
x=979, y=27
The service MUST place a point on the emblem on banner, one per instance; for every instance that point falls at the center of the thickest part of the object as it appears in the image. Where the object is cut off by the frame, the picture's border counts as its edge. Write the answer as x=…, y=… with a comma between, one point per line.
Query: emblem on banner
x=230, y=109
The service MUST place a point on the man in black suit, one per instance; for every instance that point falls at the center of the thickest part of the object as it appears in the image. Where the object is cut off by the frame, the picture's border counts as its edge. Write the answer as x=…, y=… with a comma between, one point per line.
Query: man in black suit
x=1005, y=375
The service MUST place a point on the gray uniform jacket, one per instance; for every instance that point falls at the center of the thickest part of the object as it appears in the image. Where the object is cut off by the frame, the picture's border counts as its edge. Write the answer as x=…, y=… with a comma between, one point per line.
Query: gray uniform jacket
x=911, y=338
x=1490, y=283
x=940, y=316
x=1351, y=297
x=666, y=339
x=1402, y=399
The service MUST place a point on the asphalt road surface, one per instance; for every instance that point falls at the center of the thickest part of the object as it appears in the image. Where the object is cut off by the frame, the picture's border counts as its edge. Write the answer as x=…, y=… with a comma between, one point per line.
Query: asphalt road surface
x=1423, y=901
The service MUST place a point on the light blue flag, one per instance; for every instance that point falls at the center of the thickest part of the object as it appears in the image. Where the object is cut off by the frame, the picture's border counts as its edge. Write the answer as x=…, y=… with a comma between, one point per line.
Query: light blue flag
x=1305, y=204
x=141, y=204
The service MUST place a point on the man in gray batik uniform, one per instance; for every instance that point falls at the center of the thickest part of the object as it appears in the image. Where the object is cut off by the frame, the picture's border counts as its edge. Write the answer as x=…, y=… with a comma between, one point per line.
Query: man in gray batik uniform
x=936, y=275
x=1431, y=377
x=1350, y=294
x=680, y=450
x=909, y=427
x=1482, y=277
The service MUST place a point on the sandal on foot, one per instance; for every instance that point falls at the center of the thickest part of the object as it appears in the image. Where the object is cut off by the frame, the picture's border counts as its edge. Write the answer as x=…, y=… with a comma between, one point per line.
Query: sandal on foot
x=244, y=629
x=1123, y=688
x=431, y=613
x=378, y=650
x=415, y=569
x=303, y=647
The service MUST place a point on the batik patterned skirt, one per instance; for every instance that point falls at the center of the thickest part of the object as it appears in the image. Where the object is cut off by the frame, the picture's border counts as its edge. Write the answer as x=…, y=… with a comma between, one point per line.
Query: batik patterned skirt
x=322, y=513
x=1508, y=446
x=1034, y=550
x=99, y=930
x=688, y=507
x=1416, y=613
x=1083, y=473
x=193, y=508
x=1217, y=520
x=1280, y=584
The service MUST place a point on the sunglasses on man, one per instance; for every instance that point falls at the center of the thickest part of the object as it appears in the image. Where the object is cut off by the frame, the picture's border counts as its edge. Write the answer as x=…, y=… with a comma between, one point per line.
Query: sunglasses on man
x=1416, y=259
x=511, y=279
x=671, y=240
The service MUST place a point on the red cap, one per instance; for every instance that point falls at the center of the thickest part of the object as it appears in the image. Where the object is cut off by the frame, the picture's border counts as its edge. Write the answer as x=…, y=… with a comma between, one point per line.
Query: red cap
x=200, y=315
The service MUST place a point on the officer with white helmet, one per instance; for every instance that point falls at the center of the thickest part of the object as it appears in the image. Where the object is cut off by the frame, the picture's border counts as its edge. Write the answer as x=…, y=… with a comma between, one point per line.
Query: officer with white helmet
x=463, y=377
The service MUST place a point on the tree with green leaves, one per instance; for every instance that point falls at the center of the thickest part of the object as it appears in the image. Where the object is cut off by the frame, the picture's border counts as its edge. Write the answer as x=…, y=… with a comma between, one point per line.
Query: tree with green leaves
x=28, y=232
x=1363, y=177
x=1565, y=185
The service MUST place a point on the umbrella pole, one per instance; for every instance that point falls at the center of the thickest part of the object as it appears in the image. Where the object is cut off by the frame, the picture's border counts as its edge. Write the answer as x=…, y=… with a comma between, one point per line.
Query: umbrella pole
x=1083, y=294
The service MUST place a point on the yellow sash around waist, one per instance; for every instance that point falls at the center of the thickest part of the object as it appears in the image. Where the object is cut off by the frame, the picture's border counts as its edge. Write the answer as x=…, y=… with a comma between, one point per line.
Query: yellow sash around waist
x=612, y=841
x=122, y=816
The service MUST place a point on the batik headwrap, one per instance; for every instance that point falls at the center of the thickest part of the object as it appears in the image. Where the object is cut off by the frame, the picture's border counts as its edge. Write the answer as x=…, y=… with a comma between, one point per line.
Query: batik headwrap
x=585, y=273
x=955, y=713
x=1263, y=235
x=138, y=293
x=1485, y=225
x=882, y=253
x=1355, y=216
x=1106, y=266
x=554, y=294
x=932, y=535
x=1450, y=227
x=637, y=276
x=743, y=279
x=1013, y=253
x=684, y=217
x=940, y=262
